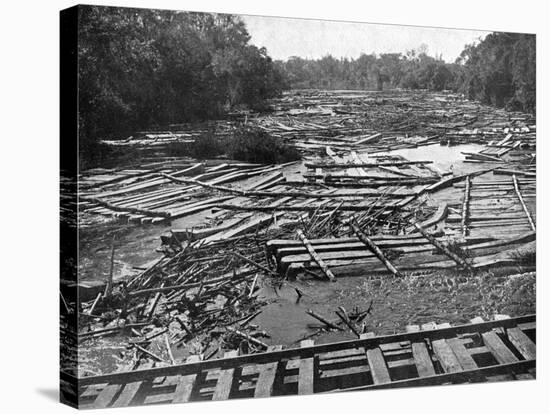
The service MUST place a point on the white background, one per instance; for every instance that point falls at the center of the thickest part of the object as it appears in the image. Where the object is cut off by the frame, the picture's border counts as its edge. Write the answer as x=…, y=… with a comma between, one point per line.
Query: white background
x=29, y=159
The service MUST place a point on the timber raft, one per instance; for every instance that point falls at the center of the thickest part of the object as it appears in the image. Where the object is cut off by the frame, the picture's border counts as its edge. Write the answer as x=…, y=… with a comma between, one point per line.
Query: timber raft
x=429, y=354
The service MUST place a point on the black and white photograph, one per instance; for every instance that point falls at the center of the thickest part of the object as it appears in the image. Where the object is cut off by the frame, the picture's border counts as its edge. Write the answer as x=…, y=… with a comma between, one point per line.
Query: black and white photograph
x=257, y=206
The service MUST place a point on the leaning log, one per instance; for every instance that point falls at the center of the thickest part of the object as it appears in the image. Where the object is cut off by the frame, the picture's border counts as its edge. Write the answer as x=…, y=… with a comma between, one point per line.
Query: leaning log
x=322, y=319
x=516, y=187
x=374, y=248
x=441, y=247
x=315, y=256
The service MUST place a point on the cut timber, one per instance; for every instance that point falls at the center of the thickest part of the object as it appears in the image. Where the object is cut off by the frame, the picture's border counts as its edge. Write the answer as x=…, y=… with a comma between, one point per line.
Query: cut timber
x=466, y=207
x=501, y=352
x=280, y=193
x=266, y=376
x=225, y=380
x=374, y=248
x=516, y=187
x=339, y=165
x=306, y=370
x=196, y=207
x=378, y=367
x=185, y=384
x=441, y=247
x=196, y=234
x=439, y=215
x=447, y=182
x=315, y=256
x=483, y=157
x=422, y=359
x=303, y=362
x=244, y=228
x=446, y=356
x=464, y=357
x=522, y=342
x=136, y=210
x=367, y=139
x=514, y=172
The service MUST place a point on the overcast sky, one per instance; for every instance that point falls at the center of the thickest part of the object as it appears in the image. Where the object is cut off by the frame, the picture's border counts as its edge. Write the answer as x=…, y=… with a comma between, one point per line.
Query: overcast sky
x=283, y=37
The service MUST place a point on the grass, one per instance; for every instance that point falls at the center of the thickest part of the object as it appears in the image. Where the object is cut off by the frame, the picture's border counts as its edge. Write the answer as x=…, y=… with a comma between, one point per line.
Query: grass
x=447, y=296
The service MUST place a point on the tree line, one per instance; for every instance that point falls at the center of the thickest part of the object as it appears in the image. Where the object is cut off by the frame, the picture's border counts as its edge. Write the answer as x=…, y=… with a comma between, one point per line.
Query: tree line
x=140, y=68
x=500, y=70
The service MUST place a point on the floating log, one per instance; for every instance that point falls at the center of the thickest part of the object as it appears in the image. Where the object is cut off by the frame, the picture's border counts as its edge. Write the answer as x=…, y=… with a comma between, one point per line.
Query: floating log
x=439, y=215
x=374, y=248
x=334, y=165
x=320, y=318
x=315, y=256
x=136, y=210
x=370, y=138
x=281, y=194
x=441, y=247
x=518, y=192
x=514, y=172
x=247, y=337
x=466, y=207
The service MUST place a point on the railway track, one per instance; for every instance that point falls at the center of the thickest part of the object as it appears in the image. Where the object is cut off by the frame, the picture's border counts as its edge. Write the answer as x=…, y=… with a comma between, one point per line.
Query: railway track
x=429, y=354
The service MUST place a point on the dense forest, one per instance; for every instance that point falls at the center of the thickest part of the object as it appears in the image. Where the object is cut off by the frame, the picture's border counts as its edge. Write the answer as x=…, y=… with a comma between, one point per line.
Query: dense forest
x=500, y=70
x=139, y=68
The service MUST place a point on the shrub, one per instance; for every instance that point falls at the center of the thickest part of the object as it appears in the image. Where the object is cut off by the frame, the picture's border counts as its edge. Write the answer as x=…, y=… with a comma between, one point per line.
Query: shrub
x=255, y=145
x=207, y=146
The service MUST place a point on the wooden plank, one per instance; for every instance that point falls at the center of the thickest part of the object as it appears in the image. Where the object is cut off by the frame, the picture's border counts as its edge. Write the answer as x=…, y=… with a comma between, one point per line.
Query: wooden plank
x=106, y=395
x=266, y=377
x=225, y=380
x=214, y=364
x=306, y=371
x=462, y=376
x=462, y=354
x=315, y=256
x=378, y=367
x=422, y=359
x=186, y=384
x=412, y=328
x=501, y=352
x=428, y=326
x=522, y=342
x=465, y=208
x=130, y=390
x=446, y=356
x=520, y=197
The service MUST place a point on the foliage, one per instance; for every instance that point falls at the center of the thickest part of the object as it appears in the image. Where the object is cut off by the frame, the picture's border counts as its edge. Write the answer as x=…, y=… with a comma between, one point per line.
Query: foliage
x=414, y=70
x=255, y=145
x=245, y=143
x=139, y=68
x=500, y=70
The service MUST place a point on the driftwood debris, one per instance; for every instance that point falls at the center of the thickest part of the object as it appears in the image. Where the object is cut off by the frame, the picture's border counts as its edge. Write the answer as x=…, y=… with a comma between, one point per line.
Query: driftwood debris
x=322, y=319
